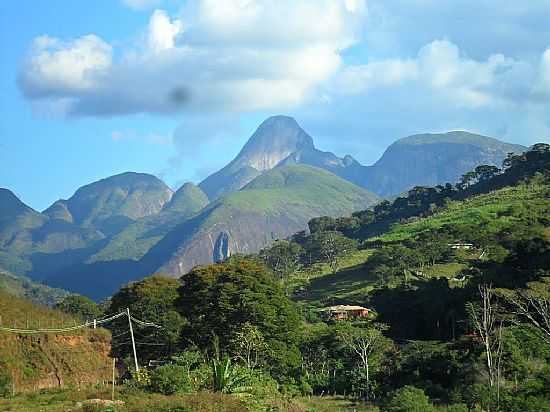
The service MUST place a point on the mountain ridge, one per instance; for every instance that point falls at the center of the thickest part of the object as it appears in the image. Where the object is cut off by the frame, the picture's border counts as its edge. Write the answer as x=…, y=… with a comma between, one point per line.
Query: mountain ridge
x=129, y=225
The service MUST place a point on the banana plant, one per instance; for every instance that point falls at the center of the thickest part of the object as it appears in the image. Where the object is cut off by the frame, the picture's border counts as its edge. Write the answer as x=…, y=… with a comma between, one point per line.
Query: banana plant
x=228, y=377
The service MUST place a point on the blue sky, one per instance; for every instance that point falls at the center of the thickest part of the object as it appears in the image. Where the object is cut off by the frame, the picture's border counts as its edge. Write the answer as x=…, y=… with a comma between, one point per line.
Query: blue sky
x=174, y=88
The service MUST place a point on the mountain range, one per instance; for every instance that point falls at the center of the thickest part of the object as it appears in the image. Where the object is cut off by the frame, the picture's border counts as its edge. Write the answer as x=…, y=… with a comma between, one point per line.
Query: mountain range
x=126, y=226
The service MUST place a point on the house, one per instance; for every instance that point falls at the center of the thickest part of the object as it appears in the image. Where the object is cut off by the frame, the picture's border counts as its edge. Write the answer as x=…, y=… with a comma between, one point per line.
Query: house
x=343, y=312
x=466, y=246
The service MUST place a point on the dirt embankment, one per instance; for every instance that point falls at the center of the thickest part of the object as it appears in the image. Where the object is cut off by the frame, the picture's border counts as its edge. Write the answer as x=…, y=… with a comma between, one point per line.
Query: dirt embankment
x=46, y=361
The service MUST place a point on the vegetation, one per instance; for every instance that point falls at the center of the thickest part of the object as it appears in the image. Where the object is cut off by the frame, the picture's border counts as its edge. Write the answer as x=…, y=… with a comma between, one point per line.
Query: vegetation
x=457, y=292
x=23, y=287
x=70, y=358
x=80, y=306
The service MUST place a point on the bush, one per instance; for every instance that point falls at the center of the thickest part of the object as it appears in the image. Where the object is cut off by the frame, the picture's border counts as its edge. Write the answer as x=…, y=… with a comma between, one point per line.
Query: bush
x=169, y=379
x=457, y=407
x=409, y=399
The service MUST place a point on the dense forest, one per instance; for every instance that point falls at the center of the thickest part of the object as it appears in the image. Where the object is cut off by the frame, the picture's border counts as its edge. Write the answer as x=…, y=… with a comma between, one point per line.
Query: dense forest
x=455, y=278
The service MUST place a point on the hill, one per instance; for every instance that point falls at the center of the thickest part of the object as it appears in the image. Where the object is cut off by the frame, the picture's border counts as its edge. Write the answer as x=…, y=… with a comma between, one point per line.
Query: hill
x=110, y=204
x=137, y=238
x=480, y=220
x=70, y=231
x=23, y=287
x=272, y=206
x=43, y=361
x=430, y=160
x=418, y=160
x=115, y=229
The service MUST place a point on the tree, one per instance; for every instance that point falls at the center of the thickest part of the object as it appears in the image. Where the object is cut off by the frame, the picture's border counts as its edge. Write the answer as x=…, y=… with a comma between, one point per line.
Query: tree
x=532, y=304
x=221, y=299
x=467, y=180
x=152, y=300
x=484, y=319
x=363, y=340
x=283, y=258
x=248, y=343
x=81, y=306
x=329, y=247
x=486, y=172
x=409, y=399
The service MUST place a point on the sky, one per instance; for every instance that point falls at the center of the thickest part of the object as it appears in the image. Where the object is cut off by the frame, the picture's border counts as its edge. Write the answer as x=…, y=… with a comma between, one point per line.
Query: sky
x=175, y=88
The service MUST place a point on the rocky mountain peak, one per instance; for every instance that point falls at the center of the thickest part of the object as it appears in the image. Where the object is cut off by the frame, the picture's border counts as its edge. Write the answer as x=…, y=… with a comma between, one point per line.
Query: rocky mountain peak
x=274, y=140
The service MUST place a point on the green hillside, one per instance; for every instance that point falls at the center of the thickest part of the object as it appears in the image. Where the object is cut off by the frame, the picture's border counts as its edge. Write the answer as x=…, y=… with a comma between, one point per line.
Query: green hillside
x=479, y=220
x=274, y=205
x=112, y=203
x=137, y=238
x=49, y=360
x=489, y=213
x=23, y=287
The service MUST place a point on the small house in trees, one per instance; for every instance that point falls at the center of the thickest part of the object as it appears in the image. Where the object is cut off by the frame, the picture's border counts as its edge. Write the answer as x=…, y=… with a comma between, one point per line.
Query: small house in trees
x=343, y=312
x=460, y=245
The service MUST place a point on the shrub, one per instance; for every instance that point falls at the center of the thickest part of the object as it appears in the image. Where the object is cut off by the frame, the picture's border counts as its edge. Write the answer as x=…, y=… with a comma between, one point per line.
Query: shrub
x=228, y=377
x=409, y=399
x=457, y=407
x=169, y=379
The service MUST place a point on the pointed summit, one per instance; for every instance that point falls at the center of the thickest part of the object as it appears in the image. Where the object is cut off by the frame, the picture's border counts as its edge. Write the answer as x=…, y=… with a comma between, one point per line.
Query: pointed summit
x=274, y=140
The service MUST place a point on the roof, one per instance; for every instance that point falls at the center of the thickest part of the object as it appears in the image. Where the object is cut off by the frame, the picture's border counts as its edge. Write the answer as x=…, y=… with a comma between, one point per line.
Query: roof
x=344, y=308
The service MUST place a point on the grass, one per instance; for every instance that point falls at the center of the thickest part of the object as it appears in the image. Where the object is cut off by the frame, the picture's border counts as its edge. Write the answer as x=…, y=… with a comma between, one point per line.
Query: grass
x=137, y=401
x=493, y=212
x=23, y=287
x=490, y=213
x=319, y=285
x=444, y=270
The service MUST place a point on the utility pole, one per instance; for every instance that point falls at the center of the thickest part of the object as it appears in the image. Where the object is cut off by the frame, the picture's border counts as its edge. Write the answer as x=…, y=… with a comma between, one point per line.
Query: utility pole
x=133, y=341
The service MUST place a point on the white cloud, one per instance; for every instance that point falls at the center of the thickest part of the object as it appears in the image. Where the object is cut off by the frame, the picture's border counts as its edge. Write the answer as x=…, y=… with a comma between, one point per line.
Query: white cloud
x=441, y=70
x=62, y=68
x=162, y=32
x=233, y=55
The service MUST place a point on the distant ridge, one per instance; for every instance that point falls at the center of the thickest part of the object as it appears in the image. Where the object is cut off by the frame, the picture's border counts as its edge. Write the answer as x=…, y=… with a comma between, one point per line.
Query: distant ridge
x=127, y=226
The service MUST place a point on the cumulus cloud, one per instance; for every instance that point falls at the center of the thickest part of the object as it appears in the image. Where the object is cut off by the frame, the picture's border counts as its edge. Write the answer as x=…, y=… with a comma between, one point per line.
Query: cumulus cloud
x=162, y=31
x=67, y=69
x=444, y=72
x=233, y=55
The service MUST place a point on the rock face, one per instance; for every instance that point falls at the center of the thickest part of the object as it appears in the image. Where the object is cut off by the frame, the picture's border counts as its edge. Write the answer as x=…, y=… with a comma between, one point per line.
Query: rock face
x=419, y=160
x=130, y=225
x=431, y=159
x=274, y=205
x=276, y=139
x=222, y=250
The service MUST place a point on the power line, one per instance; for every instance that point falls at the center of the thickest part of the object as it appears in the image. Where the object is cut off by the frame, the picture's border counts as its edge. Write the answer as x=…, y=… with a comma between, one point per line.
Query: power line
x=95, y=323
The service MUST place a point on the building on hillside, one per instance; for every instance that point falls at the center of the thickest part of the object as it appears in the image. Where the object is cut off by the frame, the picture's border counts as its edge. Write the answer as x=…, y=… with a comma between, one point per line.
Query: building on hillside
x=460, y=245
x=343, y=312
